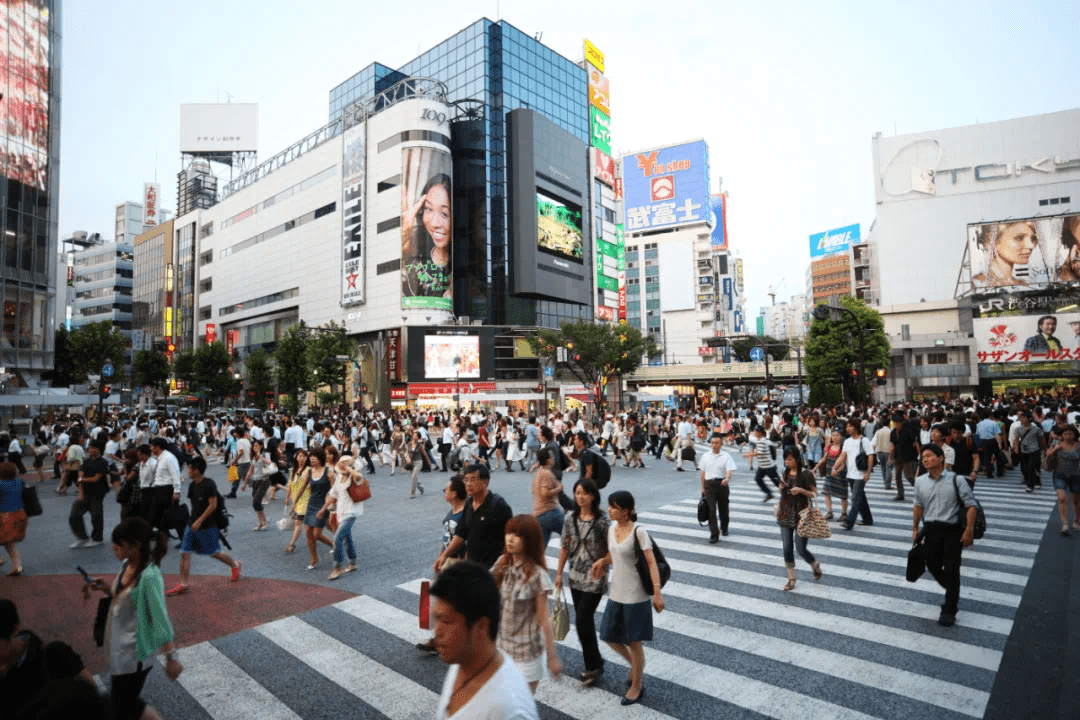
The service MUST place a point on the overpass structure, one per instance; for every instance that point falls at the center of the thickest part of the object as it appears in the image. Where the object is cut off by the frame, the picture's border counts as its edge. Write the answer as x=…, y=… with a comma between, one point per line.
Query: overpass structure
x=712, y=375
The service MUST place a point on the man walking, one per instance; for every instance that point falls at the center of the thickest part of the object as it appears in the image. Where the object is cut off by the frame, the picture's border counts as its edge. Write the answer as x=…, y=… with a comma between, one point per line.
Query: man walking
x=1029, y=443
x=202, y=535
x=988, y=435
x=716, y=470
x=483, y=522
x=855, y=447
x=763, y=455
x=93, y=483
x=905, y=453
x=242, y=461
x=165, y=487
x=947, y=510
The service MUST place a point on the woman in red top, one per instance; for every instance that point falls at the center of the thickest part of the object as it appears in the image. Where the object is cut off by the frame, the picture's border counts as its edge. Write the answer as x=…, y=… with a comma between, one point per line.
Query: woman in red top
x=834, y=487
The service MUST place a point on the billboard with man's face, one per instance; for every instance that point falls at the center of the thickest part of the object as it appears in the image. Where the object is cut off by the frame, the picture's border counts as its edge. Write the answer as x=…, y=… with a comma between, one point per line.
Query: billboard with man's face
x=1029, y=253
x=1028, y=338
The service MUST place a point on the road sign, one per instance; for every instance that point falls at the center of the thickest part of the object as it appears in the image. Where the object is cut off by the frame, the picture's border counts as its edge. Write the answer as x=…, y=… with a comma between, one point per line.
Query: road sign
x=148, y=390
x=107, y=370
x=549, y=372
x=757, y=354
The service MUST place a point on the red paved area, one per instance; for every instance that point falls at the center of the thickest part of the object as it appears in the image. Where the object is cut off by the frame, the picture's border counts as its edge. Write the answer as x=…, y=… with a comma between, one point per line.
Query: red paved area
x=52, y=606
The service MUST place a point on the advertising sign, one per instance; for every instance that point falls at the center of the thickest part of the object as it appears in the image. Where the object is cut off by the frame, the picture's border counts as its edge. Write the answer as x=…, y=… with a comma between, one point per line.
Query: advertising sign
x=1028, y=338
x=618, y=189
x=426, y=229
x=151, y=192
x=594, y=56
x=718, y=208
x=603, y=167
x=211, y=332
x=622, y=296
x=667, y=188
x=219, y=128
x=352, y=214
x=833, y=241
x=399, y=393
x=599, y=91
x=603, y=312
x=450, y=388
x=739, y=274
x=1029, y=253
x=760, y=325
x=451, y=356
x=24, y=112
x=729, y=299
x=738, y=325
x=393, y=355
x=600, y=129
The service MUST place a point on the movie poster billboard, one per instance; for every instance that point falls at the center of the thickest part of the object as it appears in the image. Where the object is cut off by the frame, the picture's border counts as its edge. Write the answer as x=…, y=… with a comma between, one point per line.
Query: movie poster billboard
x=1052, y=337
x=1029, y=253
x=24, y=77
x=352, y=214
x=426, y=229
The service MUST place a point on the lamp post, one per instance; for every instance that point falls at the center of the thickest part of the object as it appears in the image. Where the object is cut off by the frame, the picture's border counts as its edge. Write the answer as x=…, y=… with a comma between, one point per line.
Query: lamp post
x=457, y=380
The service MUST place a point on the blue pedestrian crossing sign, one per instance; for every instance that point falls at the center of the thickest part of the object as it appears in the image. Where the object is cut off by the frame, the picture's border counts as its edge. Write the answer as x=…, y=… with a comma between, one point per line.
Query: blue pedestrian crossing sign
x=757, y=354
x=549, y=372
x=107, y=370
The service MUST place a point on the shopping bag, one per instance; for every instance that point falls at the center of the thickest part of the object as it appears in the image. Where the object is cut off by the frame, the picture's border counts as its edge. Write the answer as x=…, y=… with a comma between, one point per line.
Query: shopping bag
x=812, y=525
x=234, y=474
x=560, y=617
x=285, y=523
x=425, y=605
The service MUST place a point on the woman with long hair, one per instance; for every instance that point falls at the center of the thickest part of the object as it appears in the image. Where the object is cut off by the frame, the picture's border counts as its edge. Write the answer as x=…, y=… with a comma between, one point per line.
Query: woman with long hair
x=258, y=475
x=584, y=541
x=1006, y=245
x=12, y=515
x=317, y=480
x=1069, y=270
x=427, y=229
x=138, y=623
x=524, y=586
x=397, y=448
x=346, y=511
x=797, y=489
x=295, y=499
x=814, y=437
x=416, y=454
x=834, y=487
x=627, y=618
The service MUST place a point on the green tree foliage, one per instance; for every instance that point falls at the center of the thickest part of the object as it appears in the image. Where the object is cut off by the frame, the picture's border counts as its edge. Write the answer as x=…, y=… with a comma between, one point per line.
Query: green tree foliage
x=211, y=369
x=291, y=369
x=260, y=378
x=150, y=368
x=826, y=394
x=324, y=344
x=63, y=373
x=595, y=353
x=740, y=349
x=91, y=345
x=832, y=350
x=183, y=367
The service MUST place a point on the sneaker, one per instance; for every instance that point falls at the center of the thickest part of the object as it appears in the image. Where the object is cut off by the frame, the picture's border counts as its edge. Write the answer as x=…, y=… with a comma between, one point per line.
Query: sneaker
x=946, y=618
x=1027, y=489
x=93, y=543
x=420, y=487
x=78, y=544
x=177, y=589
x=351, y=568
x=236, y=572
x=680, y=469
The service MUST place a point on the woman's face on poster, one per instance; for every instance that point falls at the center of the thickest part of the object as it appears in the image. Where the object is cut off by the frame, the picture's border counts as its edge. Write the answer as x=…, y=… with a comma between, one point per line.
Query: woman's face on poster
x=1016, y=242
x=437, y=215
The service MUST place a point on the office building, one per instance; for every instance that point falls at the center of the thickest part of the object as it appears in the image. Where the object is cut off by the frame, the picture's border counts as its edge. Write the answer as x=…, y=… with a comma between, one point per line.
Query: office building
x=830, y=276
x=153, y=291
x=102, y=285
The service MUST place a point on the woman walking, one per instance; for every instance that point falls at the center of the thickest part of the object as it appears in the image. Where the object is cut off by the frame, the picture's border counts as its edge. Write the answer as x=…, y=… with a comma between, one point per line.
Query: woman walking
x=834, y=487
x=258, y=475
x=296, y=499
x=514, y=452
x=524, y=586
x=416, y=455
x=1066, y=476
x=397, y=449
x=317, y=481
x=814, y=437
x=138, y=623
x=627, y=619
x=346, y=511
x=12, y=515
x=797, y=488
x=41, y=449
x=584, y=541
x=545, y=491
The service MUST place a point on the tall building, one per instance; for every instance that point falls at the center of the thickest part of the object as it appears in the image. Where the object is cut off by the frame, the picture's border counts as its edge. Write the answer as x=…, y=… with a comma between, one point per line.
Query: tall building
x=29, y=184
x=830, y=276
x=129, y=222
x=153, y=292
x=102, y=284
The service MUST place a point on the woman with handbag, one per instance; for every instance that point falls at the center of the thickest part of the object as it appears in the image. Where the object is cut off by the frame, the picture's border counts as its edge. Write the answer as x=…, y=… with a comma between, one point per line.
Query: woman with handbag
x=627, y=619
x=295, y=498
x=584, y=540
x=346, y=499
x=797, y=489
x=137, y=623
x=834, y=487
x=317, y=481
x=12, y=515
x=524, y=586
x=1063, y=458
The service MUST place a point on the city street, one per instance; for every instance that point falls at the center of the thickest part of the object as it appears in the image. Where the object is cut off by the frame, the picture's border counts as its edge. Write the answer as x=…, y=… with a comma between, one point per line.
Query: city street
x=862, y=643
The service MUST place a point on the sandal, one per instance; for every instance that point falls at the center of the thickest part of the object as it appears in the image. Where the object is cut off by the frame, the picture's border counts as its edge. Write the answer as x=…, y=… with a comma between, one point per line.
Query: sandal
x=790, y=585
x=829, y=516
x=290, y=548
x=817, y=572
x=1064, y=529
x=16, y=572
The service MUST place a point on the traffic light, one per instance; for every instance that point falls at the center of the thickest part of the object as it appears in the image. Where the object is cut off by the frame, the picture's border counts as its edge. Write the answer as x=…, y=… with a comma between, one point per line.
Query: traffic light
x=105, y=391
x=854, y=372
x=882, y=374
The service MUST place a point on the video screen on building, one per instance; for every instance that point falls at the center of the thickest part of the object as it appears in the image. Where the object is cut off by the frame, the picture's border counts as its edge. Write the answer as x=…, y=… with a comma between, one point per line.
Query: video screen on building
x=24, y=76
x=558, y=227
x=451, y=356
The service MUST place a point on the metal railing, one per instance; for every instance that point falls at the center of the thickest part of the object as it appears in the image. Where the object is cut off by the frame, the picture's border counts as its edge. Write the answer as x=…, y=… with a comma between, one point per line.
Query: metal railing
x=925, y=371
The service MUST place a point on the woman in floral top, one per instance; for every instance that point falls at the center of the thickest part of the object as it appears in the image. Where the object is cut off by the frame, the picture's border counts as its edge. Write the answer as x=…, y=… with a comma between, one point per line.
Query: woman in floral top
x=797, y=488
x=584, y=541
x=524, y=585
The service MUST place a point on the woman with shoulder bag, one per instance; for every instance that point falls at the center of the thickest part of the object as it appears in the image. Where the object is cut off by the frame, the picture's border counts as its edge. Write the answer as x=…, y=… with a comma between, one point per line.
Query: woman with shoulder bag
x=138, y=622
x=797, y=488
x=346, y=511
x=627, y=619
x=584, y=541
x=834, y=487
x=1064, y=458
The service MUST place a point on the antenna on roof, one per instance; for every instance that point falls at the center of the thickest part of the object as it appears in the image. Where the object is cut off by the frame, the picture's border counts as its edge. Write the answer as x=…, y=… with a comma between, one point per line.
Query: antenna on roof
x=537, y=37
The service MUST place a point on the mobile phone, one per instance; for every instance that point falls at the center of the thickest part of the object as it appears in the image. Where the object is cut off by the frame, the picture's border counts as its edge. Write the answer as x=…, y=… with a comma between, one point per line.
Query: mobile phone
x=86, y=577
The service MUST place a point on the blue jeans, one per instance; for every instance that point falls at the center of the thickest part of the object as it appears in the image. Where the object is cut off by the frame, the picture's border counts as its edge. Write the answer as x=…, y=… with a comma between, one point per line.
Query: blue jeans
x=792, y=544
x=343, y=541
x=551, y=522
x=858, y=506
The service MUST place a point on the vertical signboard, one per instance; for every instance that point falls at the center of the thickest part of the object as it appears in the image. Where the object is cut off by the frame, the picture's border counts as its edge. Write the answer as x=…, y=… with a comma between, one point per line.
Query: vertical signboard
x=761, y=325
x=151, y=191
x=739, y=275
x=211, y=333
x=600, y=129
x=729, y=299
x=718, y=207
x=603, y=167
x=667, y=187
x=599, y=91
x=426, y=229
x=353, y=165
x=393, y=355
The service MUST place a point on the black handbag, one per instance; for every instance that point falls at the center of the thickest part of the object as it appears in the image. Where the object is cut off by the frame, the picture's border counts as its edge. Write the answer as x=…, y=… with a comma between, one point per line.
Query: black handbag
x=30, y=501
x=916, y=560
x=643, y=565
x=703, y=510
x=101, y=620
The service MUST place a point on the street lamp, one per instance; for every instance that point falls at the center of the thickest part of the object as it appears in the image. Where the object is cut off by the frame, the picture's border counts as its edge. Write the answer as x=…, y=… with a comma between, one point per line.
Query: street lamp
x=457, y=380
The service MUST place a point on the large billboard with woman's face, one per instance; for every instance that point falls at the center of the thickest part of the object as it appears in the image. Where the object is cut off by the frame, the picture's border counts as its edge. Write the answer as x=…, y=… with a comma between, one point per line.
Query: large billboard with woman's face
x=426, y=229
x=24, y=78
x=1030, y=253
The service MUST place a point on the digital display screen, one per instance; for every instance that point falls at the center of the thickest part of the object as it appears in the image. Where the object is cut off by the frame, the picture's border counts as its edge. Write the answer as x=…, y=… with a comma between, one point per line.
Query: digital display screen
x=24, y=73
x=440, y=351
x=559, y=229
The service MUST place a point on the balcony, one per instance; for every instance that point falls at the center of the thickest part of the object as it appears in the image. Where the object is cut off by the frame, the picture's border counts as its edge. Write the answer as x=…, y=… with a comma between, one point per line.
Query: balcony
x=931, y=371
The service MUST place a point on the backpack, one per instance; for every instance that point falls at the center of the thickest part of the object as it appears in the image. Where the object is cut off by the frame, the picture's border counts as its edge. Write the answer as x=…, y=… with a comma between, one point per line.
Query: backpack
x=862, y=462
x=601, y=471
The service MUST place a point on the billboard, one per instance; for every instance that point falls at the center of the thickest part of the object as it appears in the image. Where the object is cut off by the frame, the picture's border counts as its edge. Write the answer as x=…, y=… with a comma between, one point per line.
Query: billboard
x=603, y=166
x=599, y=91
x=739, y=275
x=430, y=352
x=1053, y=337
x=666, y=188
x=761, y=325
x=353, y=169
x=605, y=313
x=729, y=294
x=426, y=229
x=600, y=129
x=833, y=241
x=219, y=127
x=1027, y=253
x=24, y=77
x=451, y=356
x=594, y=56
x=718, y=208
x=559, y=227
x=151, y=192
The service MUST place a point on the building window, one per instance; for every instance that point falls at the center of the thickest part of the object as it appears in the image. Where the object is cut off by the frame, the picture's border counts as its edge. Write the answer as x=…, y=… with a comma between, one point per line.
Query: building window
x=206, y=285
x=206, y=258
x=937, y=358
x=206, y=313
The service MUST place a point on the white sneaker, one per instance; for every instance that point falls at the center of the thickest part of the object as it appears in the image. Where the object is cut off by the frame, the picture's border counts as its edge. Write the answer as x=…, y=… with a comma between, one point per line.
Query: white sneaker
x=93, y=543
x=78, y=544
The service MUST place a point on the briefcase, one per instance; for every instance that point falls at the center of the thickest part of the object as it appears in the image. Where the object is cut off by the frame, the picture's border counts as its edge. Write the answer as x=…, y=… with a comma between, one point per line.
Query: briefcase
x=916, y=561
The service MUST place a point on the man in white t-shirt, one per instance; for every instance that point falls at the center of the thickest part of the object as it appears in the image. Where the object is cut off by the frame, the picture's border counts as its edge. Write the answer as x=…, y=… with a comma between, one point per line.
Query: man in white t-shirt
x=716, y=469
x=855, y=444
x=483, y=683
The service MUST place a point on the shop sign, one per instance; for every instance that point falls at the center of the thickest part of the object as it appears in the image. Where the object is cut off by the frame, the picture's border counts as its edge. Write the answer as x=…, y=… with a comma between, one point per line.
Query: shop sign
x=451, y=388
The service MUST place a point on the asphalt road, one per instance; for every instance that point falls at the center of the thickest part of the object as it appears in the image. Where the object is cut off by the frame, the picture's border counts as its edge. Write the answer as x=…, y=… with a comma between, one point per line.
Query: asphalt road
x=863, y=643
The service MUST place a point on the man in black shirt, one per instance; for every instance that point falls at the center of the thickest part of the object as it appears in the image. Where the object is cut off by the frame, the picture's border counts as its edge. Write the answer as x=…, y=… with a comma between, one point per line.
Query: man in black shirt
x=483, y=523
x=201, y=536
x=905, y=453
x=93, y=487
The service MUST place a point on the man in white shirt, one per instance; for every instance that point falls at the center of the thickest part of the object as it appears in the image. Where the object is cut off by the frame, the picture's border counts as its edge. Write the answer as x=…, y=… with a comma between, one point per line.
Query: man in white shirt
x=242, y=461
x=165, y=487
x=716, y=469
x=482, y=682
x=857, y=479
x=294, y=438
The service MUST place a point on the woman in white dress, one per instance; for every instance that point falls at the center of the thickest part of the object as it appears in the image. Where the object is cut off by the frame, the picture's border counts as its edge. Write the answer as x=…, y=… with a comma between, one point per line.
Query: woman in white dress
x=514, y=453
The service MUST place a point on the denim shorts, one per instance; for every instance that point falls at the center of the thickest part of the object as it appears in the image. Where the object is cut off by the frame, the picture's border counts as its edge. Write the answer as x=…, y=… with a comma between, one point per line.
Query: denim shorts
x=1069, y=483
x=201, y=542
x=624, y=624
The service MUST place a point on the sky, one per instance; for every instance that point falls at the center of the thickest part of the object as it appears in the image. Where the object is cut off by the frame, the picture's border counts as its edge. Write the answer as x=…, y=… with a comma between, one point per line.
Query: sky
x=787, y=94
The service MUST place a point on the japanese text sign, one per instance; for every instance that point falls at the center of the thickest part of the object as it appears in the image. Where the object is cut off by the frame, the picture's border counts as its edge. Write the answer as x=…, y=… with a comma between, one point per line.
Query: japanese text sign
x=666, y=188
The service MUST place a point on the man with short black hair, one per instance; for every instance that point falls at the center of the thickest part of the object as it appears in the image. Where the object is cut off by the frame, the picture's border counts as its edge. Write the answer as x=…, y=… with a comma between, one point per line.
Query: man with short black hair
x=854, y=447
x=93, y=482
x=716, y=470
x=482, y=524
x=202, y=535
x=1029, y=444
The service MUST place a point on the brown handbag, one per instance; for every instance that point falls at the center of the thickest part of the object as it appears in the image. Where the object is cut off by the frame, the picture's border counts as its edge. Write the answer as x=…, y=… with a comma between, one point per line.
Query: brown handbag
x=359, y=490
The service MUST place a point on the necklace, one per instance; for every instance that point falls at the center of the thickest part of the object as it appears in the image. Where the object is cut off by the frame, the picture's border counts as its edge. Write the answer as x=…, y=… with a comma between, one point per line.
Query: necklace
x=478, y=673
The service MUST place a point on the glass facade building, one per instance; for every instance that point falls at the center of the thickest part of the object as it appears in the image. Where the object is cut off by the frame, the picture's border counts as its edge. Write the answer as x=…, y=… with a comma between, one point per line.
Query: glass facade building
x=30, y=67
x=490, y=68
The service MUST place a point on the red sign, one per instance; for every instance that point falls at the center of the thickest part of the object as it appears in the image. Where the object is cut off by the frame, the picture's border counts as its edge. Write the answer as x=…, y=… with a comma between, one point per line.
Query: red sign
x=393, y=355
x=603, y=312
x=706, y=350
x=211, y=332
x=618, y=189
x=231, y=338
x=662, y=188
x=399, y=393
x=603, y=166
x=450, y=388
x=622, y=297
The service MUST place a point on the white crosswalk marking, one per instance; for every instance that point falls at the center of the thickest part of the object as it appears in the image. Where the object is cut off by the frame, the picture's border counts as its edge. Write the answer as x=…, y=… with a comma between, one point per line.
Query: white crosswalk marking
x=224, y=690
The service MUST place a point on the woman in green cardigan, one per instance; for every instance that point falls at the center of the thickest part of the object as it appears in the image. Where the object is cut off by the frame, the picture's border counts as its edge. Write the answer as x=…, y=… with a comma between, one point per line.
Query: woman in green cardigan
x=138, y=624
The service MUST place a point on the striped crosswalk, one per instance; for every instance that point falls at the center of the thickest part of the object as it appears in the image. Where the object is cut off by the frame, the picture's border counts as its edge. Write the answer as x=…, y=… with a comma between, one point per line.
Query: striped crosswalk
x=861, y=643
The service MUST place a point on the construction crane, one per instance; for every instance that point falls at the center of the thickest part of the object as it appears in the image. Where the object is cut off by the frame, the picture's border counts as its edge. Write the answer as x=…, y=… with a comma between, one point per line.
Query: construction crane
x=773, y=289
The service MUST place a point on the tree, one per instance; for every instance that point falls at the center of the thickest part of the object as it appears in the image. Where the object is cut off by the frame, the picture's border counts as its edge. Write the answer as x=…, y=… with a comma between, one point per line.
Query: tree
x=595, y=353
x=211, y=365
x=63, y=373
x=91, y=345
x=183, y=367
x=150, y=368
x=259, y=377
x=325, y=343
x=740, y=348
x=291, y=368
x=832, y=350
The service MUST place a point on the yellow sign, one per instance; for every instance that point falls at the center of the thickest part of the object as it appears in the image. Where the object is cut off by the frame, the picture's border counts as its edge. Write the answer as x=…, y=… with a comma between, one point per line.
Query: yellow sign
x=594, y=56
